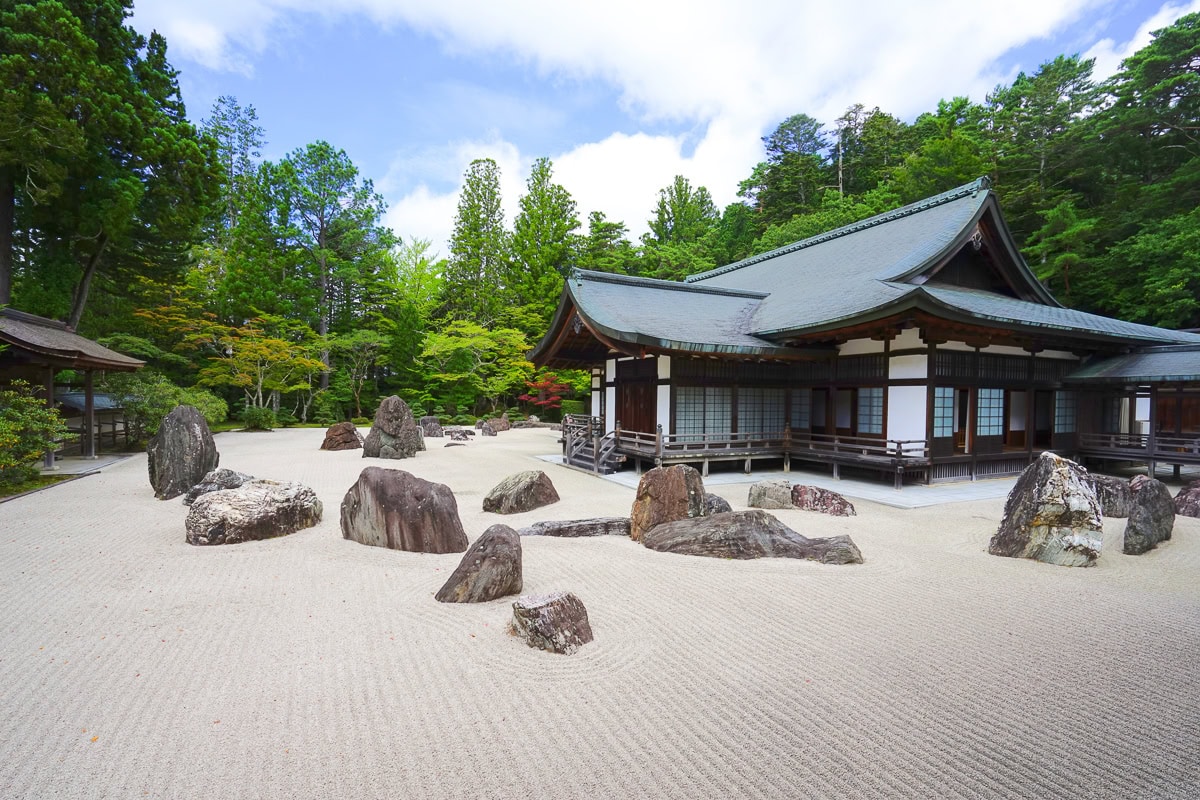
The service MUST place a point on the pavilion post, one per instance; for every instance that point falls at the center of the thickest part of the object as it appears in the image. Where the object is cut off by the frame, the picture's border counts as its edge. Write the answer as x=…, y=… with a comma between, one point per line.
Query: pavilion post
x=48, y=460
x=89, y=416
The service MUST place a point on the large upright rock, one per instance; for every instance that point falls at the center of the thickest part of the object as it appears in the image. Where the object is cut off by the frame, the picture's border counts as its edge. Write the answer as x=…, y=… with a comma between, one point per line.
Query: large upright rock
x=490, y=568
x=770, y=494
x=342, y=436
x=1114, y=495
x=665, y=494
x=215, y=481
x=1051, y=515
x=521, y=492
x=395, y=433
x=258, y=509
x=824, y=501
x=557, y=622
x=395, y=509
x=181, y=453
x=747, y=534
x=1151, y=517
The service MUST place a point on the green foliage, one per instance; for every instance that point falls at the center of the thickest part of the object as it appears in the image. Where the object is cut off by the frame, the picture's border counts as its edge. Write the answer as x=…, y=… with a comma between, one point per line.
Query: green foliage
x=148, y=396
x=258, y=418
x=544, y=245
x=466, y=362
x=27, y=430
x=573, y=407
x=325, y=409
x=479, y=247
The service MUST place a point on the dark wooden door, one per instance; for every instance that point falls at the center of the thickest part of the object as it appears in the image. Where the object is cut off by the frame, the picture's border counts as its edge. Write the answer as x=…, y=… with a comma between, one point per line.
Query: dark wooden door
x=637, y=407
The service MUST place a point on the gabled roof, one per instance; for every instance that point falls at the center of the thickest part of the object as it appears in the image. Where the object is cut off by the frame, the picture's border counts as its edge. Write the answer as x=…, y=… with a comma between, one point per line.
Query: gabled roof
x=53, y=343
x=1150, y=365
x=862, y=273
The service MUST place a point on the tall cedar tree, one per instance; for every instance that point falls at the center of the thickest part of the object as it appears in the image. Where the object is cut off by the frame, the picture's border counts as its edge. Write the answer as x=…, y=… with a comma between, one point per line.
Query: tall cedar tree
x=479, y=248
x=544, y=243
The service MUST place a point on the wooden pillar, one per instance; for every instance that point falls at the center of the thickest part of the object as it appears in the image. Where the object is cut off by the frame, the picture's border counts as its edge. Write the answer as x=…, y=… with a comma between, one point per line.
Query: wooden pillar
x=1151, y=434
x=88, y=448
x=48, y=384
x=973, y=414
x=1030, y=410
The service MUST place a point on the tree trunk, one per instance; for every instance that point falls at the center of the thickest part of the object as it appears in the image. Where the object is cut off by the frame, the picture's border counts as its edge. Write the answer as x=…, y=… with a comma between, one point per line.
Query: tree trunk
x=79, y=300
x=323, y=317
x=8, y=210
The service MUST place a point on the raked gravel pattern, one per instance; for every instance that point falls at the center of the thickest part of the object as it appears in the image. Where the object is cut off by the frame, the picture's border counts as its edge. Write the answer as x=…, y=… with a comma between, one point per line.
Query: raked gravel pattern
x=134, y=665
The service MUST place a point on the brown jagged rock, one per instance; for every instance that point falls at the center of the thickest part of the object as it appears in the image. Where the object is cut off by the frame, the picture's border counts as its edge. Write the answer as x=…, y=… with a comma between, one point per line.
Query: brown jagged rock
x=744, y=535
x=1187, y=500
x=215, y=481
x=1115, y=495
x=258, y=509
x=598, y=526
x=557, y=622
x=396, y=509
x=1151, y=517
x=814, y=498
x=665, y=494
x=500, y=424
x=342, y=436
x=770, y=494
x=181, y=453
x=395, y=433
x=521, y=492
x=490, y=568
x=1051, y=515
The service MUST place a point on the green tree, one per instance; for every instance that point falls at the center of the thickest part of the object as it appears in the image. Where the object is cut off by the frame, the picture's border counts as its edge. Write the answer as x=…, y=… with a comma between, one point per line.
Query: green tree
x=358, y=353
x=239, y=139
x=466, y=362
x=544, y=244
x=27, y=430
x=789, y=182
x=479, y=247
x=607, y=248
x=678, y=242
x=953, y=152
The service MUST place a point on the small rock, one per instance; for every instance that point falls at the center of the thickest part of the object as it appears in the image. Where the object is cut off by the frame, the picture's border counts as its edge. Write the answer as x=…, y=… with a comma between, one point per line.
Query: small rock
x=814, y=498
x=454, y=444
x=485, y=429
x=215, y=481
x=258, y=509
x=431, y=427
x=521, y=492
x=459, y=435
x=342, y=436
x=557, y=622
x=770, y=494
x=598, y=526
x=715, y=504
x=181, y=453
x=1187, y=500
x=490, y=568
x=665, y=494
x=1151, y=517
x=1115, y=495
x=501, y=423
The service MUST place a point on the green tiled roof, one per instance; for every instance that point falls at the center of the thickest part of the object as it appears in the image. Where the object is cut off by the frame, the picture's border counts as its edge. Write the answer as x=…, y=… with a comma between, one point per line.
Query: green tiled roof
x=1153, y=364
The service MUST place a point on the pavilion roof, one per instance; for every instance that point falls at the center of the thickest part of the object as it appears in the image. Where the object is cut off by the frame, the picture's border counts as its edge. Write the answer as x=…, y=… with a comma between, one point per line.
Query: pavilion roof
x=51, y=342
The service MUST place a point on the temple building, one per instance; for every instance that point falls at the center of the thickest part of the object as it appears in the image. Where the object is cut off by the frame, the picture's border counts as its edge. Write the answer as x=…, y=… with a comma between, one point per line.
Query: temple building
x=916, y=343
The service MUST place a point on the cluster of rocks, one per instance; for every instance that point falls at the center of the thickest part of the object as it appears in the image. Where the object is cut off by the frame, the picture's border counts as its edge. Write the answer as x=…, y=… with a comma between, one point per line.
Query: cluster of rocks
x=1055, y=513
x=227, y=507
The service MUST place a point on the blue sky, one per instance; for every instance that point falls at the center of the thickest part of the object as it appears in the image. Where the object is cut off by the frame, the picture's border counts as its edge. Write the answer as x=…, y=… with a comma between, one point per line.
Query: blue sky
x=622, y=96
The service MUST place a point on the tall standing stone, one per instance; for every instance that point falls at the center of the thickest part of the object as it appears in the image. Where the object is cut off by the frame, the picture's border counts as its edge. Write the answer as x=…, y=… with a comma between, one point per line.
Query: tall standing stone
x=395, y=433
x=396, y=509
x=665, y=494
x=181, y=453
x=1051, y=515
x=490, y=568
x=1151, y=517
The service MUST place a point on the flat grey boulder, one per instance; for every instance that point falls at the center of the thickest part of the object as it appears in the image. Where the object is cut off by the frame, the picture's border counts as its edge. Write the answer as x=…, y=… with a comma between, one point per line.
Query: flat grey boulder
x=1151, y=517
x=597, y=526
x=521, y=492
x=181, y=453
x=557, y=622
x=395, y=433
x=342, y=436
x=215, y=481
x=258, y=509
x=1187, y=500
x=745, y=535
x=1115, y=495
x=824, y=501
x=396, y=509
x=665, y=494
x=490, y=568
x=715, y=504
x=1051, y=515
x=770, y=494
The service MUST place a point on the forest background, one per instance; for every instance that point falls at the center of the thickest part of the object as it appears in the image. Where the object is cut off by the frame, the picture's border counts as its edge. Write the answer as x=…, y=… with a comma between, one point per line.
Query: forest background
x=273, y=289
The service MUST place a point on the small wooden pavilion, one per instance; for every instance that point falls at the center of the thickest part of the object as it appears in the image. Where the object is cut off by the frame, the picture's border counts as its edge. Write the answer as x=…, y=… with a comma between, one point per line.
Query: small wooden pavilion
x=35, y=349
x=914, y=343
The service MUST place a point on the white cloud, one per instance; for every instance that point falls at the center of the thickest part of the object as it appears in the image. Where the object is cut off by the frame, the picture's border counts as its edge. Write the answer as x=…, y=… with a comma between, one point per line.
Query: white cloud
x=1109, y=54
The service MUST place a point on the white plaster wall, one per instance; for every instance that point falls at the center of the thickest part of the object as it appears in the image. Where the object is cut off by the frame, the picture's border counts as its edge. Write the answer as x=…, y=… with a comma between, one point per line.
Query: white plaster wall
x=610, y=408
x=858, y=347
x=906, y=412
x=664, y=367
x=664, y=394
x=1016, y=411
x=908, y=340
x=610, y=370
x=900, y=367
x=595, y=402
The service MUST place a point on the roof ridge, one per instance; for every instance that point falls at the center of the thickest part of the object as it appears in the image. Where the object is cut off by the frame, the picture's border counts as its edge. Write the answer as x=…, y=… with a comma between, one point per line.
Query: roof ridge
x=34, y=319
x=658, y=283
x=957, y=193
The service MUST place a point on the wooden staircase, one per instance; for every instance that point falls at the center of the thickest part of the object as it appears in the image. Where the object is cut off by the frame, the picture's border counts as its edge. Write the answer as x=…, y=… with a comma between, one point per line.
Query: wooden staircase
x=586, y=446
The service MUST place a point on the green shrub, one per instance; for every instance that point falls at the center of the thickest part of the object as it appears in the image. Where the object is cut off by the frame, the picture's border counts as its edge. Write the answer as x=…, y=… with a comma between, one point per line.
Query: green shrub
x=325, y=409
x=463, y=419
x=27, y=430
x=361, y=421
x=148, y=397
x=573, y=407
x=286, y=418
x=258, y=418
